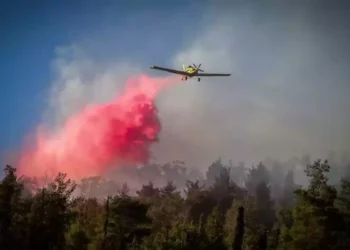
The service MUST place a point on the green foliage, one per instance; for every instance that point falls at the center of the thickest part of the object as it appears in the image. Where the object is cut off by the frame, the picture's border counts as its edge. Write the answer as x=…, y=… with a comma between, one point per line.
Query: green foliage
x=50, y=214
x=77, y=238
x=10, y=206
x=168, y=208
x=316, y=222
x=214, y=229
x=273, y=238
x=221, y=215
x=127, y=222
x=251, y=223
x=88, y=221
x=199, y=203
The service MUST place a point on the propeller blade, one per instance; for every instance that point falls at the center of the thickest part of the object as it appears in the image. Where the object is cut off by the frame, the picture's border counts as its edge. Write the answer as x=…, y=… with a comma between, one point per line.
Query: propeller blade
x=199, y=65
x=200, y=70
x=194, y=65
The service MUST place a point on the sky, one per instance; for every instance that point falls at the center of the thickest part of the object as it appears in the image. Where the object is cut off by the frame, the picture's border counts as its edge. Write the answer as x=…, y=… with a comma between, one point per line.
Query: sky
x=288, y=93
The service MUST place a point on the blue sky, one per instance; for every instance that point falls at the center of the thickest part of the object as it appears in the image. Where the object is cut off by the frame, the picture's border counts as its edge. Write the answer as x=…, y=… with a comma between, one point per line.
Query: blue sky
x=288, y=94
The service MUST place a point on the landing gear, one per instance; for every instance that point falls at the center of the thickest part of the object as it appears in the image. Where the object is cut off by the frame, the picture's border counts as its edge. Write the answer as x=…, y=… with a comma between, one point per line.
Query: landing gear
x=199, y=79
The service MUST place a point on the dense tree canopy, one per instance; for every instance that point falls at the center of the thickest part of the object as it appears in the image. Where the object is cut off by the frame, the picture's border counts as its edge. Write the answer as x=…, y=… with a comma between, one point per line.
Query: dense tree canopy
x=232, y=208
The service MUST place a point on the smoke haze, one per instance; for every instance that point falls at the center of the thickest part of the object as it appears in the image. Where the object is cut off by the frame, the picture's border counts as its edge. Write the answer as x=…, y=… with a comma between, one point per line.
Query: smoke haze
x=287, y=96
x=288, y=93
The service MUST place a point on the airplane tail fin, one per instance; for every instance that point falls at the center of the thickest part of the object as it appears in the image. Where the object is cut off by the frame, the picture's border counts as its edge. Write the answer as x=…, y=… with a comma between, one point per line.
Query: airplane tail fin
x=183, y=67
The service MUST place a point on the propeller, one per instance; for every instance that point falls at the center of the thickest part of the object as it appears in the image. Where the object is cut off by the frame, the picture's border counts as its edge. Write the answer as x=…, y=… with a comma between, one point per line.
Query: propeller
x=198, y=67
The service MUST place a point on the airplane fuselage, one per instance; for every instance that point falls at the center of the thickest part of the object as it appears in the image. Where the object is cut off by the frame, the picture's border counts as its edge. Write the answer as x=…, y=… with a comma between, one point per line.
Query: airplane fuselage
x=190, y=70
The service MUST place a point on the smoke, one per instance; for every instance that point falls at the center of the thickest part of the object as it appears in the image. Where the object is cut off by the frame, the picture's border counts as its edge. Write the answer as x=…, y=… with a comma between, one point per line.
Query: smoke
x=97, y=136
x=287, y=95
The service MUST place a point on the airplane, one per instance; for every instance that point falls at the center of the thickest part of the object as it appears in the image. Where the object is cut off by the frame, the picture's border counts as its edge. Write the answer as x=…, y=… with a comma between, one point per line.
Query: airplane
x=189, y=72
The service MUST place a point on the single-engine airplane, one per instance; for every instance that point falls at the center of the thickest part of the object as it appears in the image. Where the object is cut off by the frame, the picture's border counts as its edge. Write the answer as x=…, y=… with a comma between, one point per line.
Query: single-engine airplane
x=189, y=72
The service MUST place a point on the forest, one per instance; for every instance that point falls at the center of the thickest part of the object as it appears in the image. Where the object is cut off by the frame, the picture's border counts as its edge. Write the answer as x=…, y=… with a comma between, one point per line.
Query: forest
x=231, y=207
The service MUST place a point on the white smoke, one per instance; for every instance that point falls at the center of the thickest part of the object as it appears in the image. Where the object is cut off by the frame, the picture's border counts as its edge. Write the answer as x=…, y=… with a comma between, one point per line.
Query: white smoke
x=276, y=102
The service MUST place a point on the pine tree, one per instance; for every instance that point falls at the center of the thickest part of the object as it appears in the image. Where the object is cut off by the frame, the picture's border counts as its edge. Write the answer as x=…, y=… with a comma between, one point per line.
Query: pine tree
x=256, y=176
x=239, y=232
x=50, y=215
x=265, y=205
x=214, y=229
x=10, y=192
x=317, y=223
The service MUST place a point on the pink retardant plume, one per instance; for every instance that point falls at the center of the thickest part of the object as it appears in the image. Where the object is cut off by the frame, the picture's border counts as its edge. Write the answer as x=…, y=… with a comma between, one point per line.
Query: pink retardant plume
x=100, y=136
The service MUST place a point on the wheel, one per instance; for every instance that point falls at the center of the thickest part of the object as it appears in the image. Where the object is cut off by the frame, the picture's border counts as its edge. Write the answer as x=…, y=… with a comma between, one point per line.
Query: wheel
x=199, y=79
x=186, y=78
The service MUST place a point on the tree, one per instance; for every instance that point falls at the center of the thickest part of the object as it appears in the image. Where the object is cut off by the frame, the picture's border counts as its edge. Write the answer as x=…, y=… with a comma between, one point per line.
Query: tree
x=199, y=202
x=148, y=191
x=10, y=192
x=221, y=216
x=273, y=238
x=77, y=239
x=214, y=229
x=214, y=171
x=317, y=223
x=86, y=227
x=251, y=223
x=51, y=215
x=265, y=205
x=239, y=233
x=285, y=223
x=127, y=222
x=255, y=176
x=168, y=208
x=168, y=189
x=343, y=204
x=193, y=189
x=224, y=190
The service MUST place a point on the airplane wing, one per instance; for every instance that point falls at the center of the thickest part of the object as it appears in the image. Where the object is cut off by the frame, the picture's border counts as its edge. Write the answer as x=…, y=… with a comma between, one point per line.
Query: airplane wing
x=170, y=70
x=207, y=74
